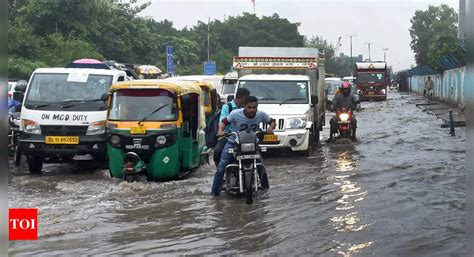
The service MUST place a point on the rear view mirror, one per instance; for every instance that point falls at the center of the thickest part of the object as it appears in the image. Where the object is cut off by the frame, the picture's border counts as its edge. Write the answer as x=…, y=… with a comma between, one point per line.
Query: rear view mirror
x=314, y=99
x=104, y=97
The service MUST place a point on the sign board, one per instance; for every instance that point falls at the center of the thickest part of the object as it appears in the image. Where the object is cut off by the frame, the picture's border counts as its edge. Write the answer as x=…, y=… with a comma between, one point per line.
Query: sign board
x=210, y=68
x=169, y=60
x=275, y=62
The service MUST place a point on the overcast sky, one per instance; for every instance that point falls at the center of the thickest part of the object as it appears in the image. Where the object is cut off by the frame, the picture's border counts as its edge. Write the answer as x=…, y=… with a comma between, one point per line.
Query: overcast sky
x=384, y=23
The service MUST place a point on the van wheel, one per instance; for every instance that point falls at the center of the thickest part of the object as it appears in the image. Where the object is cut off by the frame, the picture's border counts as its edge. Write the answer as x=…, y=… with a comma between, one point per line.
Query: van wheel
x=16, y=155
x=35, y=164
x=311, y=141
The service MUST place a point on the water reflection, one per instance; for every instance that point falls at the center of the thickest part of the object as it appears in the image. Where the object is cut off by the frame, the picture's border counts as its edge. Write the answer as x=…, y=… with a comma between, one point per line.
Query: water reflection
x=351, y=193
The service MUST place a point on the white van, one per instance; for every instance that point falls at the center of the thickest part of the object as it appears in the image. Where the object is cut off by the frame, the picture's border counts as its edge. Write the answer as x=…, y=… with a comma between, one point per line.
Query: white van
x=63, y=114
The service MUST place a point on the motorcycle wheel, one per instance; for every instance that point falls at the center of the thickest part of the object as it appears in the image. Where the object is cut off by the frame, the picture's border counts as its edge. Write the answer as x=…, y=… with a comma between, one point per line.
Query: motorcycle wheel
x=131, y=178
x=16, y=155
x=248, y=189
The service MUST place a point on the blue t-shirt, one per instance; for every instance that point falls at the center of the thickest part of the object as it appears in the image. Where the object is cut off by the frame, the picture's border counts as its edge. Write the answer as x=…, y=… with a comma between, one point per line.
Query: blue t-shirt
x=239, y=122
x=225, y=112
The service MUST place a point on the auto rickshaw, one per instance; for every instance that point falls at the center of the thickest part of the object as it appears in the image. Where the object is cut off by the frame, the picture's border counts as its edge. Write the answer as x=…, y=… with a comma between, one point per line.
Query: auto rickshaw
x=154, y=128
x=209, y=96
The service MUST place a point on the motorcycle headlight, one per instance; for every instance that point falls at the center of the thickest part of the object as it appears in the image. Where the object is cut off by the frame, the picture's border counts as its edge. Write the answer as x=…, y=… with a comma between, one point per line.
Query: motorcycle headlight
x=295, y=123
x=30, y=126
x=344, y=116
x=247, y=147
x=161, y=140
x=96, y=128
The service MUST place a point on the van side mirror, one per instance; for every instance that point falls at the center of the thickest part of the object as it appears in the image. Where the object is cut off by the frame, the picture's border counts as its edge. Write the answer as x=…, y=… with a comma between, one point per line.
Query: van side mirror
x=230, y=98
x=18, y=96
x=314, y=99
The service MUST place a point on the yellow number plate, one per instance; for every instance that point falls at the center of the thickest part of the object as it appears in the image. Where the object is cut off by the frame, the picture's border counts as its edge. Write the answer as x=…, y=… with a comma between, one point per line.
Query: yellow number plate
x=371, y=93
x=137, y=130
x=270, y=138
x=61, y=140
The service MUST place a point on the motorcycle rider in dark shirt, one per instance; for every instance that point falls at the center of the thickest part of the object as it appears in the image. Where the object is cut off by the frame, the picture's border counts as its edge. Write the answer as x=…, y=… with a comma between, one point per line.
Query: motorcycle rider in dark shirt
x=344, y=99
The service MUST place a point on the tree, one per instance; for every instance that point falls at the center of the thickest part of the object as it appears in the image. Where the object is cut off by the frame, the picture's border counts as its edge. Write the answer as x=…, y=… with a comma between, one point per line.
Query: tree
x=434, y=34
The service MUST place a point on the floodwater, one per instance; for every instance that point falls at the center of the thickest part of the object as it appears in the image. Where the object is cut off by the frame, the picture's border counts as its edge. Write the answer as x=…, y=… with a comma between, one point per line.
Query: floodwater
x=400, y=191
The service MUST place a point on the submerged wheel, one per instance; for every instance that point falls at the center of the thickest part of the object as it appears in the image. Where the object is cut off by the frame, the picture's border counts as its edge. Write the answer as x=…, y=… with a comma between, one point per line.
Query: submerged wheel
x=35, y=164
x=16, y=155
x=311, y=141
x=248, y=188
x=131, y=178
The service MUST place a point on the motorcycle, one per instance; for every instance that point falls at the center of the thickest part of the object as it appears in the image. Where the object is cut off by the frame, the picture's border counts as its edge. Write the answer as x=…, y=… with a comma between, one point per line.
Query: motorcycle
x=13, y=136
x=242, y=176
x=344, y=116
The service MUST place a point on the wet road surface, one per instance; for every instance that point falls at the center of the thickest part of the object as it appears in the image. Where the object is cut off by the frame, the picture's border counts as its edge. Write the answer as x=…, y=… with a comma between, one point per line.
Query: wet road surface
x=399, y=191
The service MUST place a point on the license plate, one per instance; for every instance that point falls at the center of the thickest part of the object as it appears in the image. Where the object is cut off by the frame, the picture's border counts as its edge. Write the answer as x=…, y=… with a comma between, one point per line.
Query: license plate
x=270, y=138
x=371, y=93
x=137, y=130
x=61, y=140
x=248, y=156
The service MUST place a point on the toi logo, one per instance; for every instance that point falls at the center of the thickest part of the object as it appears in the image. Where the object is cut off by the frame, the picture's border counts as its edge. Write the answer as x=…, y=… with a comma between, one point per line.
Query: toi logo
x=23, y=224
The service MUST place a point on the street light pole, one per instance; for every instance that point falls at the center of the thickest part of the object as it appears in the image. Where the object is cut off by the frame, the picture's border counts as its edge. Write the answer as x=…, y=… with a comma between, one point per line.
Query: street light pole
x=384, y=54
x=350, y=36
x=368, y=44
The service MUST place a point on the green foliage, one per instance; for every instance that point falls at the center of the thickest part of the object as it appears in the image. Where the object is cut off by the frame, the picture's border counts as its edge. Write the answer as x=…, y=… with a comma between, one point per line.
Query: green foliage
x=434, y=34
x=334, y=65
x=56, y=32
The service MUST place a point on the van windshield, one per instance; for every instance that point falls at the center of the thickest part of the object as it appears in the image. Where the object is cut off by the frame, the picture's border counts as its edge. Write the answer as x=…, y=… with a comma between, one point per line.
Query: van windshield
x=277, y=92
x=136, y=104
x=55, y=87
x=228, y=87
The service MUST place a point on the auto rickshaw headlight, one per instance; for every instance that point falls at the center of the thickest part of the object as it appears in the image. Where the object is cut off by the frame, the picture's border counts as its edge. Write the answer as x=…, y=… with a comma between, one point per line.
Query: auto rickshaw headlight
x=161, y=140
x=115, y=140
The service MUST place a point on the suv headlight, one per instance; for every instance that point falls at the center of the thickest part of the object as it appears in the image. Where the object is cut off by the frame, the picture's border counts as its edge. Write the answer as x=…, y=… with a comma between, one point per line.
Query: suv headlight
x=96, y=128
x=295, y=123
x=247, y=147
x=30, y=126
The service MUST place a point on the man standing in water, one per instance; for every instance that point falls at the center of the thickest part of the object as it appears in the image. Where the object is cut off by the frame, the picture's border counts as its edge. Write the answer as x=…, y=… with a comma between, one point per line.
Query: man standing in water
x=248, y=118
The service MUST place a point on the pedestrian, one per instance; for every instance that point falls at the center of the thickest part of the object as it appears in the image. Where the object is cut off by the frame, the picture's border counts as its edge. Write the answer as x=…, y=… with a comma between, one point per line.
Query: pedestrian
x=240, y=96
x=429, y=88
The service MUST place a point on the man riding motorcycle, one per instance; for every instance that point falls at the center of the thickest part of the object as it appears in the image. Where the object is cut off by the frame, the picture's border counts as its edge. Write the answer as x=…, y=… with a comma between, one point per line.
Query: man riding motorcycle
x=347, y=100
x=248, y=118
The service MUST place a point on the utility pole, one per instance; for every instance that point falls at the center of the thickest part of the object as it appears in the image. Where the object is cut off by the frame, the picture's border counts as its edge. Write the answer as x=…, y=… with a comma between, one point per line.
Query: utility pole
x=385, y=54
x=368, y=44
x=350, y=36
x=208, y=32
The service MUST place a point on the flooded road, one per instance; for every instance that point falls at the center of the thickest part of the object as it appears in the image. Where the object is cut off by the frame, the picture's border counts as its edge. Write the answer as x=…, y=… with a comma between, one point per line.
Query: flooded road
x=399, y=191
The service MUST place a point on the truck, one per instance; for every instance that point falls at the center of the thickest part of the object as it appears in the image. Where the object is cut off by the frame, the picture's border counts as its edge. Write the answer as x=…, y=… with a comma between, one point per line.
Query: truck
x=63, y=115
x=371, y=80
x=289, y=85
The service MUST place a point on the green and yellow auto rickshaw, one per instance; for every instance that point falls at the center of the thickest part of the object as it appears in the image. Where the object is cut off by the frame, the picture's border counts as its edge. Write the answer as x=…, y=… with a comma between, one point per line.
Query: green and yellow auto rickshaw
x=154, y=128
x=209, y=96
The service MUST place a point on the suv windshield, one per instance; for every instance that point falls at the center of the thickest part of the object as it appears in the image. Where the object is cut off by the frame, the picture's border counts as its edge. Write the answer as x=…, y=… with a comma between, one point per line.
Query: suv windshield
x=228, y=87
x=136, y=104
x=50, y=88
x=277, y=92
x=370, y=77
